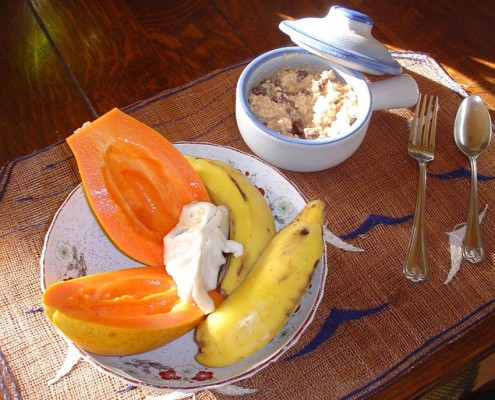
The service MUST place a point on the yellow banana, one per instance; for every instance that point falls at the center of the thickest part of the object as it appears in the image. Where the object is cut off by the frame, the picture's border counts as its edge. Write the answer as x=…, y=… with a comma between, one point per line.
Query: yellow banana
x=251, y=220
x=263, y=303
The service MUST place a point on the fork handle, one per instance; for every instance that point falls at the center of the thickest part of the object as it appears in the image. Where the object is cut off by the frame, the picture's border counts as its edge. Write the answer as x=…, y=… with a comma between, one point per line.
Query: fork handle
x=416, y=264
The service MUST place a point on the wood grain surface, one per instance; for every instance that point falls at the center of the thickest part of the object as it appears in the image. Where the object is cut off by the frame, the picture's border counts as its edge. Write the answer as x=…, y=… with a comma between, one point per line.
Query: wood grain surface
x=66, y=62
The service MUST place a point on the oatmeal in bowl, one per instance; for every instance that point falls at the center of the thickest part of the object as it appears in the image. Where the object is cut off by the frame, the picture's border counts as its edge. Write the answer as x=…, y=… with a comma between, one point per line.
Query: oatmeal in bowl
x=300, y=104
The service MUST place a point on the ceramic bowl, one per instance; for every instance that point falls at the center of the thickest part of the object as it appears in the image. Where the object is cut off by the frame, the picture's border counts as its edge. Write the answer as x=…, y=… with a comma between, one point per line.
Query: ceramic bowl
x=304, y=155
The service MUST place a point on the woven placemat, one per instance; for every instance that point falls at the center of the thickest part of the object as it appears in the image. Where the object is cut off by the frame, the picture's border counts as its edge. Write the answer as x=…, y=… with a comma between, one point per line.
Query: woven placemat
x=372, y=325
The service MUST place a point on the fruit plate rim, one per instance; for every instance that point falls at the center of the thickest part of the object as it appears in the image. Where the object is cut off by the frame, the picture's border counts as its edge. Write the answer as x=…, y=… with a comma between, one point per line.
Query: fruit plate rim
x=310, y=303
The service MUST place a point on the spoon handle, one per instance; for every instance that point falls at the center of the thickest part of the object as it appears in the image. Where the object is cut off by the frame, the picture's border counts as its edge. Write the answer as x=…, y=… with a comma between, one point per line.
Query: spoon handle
x=473, y=246
x=416, y=265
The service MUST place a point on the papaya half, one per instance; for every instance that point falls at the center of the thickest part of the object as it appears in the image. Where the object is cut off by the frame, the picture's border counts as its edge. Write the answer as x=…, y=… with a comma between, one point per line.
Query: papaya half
x=122, y=312
x=136, y=182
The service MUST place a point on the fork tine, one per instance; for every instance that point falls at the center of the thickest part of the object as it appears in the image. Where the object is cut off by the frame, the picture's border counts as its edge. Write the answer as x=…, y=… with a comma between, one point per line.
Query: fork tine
x=431, y=143
x=425, y=138
x=414, y=123
x=422, y=132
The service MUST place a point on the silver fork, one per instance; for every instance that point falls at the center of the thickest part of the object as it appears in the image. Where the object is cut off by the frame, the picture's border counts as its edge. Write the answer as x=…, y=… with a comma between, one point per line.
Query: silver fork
x=421, y=146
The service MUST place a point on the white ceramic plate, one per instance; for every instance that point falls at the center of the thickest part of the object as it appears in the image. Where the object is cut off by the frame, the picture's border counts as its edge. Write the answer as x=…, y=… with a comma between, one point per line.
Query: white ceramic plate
x=75, y=246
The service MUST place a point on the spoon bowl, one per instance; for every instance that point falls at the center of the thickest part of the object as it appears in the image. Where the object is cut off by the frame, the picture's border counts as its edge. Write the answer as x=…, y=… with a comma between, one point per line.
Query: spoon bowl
x=472, y=134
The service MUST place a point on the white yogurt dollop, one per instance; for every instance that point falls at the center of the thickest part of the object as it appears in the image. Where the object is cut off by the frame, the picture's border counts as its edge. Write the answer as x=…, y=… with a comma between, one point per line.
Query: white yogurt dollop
x=195, y=251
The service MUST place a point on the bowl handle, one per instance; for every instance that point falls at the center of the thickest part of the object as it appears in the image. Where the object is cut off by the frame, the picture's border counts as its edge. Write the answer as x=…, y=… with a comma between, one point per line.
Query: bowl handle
x=397, y=92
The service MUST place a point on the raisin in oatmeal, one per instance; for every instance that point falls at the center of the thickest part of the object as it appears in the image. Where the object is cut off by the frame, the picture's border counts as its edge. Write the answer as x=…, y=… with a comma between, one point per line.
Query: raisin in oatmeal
x=300, y=104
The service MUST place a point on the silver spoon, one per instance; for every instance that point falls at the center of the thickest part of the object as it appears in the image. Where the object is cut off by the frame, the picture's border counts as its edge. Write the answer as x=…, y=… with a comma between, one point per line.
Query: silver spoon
x=472, y=134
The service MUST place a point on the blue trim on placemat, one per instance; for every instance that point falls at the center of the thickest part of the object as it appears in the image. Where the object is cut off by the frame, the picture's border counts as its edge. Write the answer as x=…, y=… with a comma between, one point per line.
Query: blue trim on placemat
x=126, y=388
x=460, y=173
x=336, y=317
x=373, y=220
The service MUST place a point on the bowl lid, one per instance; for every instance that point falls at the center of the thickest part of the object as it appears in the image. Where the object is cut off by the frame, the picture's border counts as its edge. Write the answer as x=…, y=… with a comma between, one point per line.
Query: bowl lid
x=344, y=37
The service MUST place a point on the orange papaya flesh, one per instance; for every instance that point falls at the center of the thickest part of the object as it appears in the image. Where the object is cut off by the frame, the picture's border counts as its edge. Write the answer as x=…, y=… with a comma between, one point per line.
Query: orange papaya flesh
x=136, y=182
x=121, y=312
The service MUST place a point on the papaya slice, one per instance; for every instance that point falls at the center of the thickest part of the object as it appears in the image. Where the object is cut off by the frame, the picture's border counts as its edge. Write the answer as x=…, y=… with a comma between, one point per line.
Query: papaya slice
x=122, y=312
x=136, y=182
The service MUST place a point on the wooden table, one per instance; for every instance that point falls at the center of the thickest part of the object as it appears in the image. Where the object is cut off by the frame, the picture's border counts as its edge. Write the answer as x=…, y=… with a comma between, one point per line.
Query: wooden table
x=64, y=63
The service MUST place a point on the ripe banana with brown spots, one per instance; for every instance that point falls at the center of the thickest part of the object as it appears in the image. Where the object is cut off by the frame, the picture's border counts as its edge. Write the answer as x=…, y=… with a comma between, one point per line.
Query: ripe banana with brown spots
x=251, y=220
x=263, y=303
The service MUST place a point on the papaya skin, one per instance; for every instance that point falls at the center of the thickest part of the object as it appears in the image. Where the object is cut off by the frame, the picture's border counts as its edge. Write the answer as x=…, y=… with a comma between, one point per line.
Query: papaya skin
x=117, y=341
x=121, y=312
x=136, y=182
